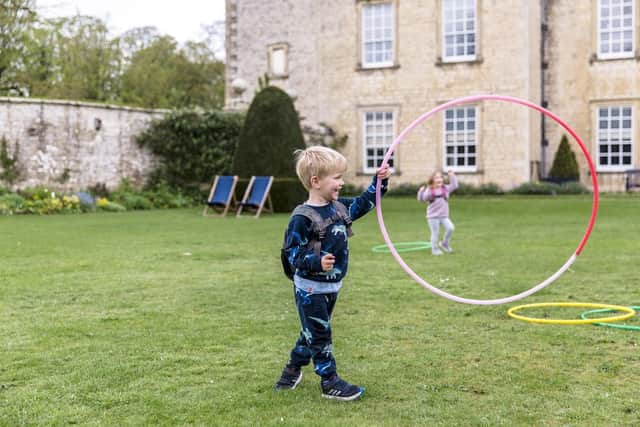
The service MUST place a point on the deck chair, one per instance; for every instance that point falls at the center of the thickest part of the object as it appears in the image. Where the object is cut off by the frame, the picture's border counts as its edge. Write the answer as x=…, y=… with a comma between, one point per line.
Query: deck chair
x=221, y=196
x=257, y=197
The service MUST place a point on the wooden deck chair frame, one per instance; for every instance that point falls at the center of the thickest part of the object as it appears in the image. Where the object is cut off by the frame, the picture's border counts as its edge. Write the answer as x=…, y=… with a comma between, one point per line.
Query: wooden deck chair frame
x=231, y=200
x=265, y=203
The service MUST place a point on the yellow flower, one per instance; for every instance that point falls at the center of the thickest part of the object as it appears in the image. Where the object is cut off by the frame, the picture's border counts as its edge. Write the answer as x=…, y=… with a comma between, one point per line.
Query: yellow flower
x=102, y=202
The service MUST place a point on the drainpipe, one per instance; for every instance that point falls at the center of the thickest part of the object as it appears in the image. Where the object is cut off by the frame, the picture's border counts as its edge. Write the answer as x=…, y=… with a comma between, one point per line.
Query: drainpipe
x=543, y=67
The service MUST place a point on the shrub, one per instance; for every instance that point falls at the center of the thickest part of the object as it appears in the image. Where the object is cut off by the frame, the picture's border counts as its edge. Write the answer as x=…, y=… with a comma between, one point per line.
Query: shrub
x=565, y=166
x=9, y=170
x=573, y=188
x=351, y=190
x=36, y=193
x=105, y=205
x=52, y=205
x=285, y=193
x=162, y=196
x=99, y=190
x=402, y=190
x=87, y=202
x=489, y=189
x=270, y=135
x=193, y=146
x=550, y=188
x=11, y=204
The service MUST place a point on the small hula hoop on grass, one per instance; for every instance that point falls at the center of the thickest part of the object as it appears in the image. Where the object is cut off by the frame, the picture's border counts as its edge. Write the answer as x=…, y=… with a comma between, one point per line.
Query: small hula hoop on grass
x=403, y=247
x=586, y=314
x=629, y=312
x=541, y=285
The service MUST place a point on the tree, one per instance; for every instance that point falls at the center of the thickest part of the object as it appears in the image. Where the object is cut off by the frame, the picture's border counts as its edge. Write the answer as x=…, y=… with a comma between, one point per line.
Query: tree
x=16, y=17
x=565, y=166
x=162, y=76
x=270, y=135
x=149, y=79
x=72, y=58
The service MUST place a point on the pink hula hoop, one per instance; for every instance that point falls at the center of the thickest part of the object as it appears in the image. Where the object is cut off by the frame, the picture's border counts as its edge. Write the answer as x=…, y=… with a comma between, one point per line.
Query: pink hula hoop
x=541, y=285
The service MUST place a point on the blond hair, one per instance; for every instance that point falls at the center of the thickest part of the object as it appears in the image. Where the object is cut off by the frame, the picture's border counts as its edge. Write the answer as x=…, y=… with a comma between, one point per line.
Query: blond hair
x=318, y=161
x=432, y=179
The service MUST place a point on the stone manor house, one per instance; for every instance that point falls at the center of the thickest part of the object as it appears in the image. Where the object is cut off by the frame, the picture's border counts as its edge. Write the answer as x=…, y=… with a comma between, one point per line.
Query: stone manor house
x=368, y=68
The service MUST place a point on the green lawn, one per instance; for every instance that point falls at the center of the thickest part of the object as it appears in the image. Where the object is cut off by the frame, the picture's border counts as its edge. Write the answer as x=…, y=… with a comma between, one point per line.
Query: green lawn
x=168, y=318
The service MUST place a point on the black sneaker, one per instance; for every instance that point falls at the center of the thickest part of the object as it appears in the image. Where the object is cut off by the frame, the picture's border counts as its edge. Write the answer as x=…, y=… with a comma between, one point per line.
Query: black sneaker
x=336, y=388
x=289, y=378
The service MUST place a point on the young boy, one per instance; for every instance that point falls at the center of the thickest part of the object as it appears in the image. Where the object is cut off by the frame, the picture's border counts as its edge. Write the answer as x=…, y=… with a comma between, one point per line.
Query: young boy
x=320, y=261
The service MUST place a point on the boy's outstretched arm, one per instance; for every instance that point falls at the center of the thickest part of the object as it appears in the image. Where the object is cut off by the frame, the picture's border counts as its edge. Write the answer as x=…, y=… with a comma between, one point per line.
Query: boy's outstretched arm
x=366, y=201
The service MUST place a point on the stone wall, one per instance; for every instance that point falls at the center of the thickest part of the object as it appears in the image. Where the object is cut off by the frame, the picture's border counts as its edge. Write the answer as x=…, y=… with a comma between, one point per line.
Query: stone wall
x=578, y=82
x=324, y=74
x=74, y=145
x=331, y=87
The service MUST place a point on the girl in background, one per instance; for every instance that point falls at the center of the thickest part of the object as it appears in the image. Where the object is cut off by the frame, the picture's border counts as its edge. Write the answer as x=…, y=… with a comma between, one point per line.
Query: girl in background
x=437, y=195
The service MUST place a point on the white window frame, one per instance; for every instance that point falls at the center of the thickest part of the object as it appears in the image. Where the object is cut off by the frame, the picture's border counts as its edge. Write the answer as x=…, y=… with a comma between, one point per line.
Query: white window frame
x=455, y=33
x=622, y=28
x=384, y=39
x=388, y=138
x=607, y=141
x=465, y=142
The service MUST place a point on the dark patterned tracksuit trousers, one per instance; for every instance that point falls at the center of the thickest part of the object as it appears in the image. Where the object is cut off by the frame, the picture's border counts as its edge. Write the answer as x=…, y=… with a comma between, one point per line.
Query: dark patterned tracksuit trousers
x=315, y=337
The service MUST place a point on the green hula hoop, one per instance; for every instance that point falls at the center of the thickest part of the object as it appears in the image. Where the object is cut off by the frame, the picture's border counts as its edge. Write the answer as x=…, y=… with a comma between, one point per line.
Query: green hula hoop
x=403, y=247
x=585, y=315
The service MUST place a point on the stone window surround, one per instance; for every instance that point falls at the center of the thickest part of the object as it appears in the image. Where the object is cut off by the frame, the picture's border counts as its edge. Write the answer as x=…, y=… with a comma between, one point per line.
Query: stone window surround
x=597, y=56
x=443, y=145
x=634, y=55
x=442, y=59
x=620, y=102
x=362, y=168
x=479, y=168
x=360, y=51
x=271, y=48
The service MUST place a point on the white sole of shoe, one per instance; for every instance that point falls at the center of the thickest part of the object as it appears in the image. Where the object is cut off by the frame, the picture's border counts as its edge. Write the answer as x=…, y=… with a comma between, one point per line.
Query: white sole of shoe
x=297, y=381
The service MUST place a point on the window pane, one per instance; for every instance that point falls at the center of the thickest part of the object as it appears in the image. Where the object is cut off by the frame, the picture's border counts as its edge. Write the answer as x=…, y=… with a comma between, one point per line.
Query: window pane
x=459, y=136
x=378, y=136
x=377, y=33
x=615, y=27
x=459, y=28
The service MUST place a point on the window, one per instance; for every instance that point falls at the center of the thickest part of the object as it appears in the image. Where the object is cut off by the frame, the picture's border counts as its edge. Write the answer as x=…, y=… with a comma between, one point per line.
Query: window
x=378, y=134
x=615, y=28
x=460, y=139
x=459, y=29
x=278, y=60
x=615, y=141
x=377, y=35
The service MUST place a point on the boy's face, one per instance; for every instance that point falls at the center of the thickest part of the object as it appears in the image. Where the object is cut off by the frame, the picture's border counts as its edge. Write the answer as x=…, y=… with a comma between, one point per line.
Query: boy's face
x=438, y=180
x=328, y=187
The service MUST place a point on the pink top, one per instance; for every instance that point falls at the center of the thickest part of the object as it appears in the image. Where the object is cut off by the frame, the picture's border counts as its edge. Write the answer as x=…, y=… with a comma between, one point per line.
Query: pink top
x=438, y=199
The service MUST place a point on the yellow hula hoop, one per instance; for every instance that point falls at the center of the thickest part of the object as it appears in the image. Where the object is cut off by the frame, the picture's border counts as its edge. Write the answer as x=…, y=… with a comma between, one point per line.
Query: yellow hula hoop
x=628, y=312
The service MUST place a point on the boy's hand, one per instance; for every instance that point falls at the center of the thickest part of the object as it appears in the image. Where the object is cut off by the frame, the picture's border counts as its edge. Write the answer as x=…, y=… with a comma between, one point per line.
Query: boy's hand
x=383, y=173
x=327, y=262
x=450, y=172
x=421, y=189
